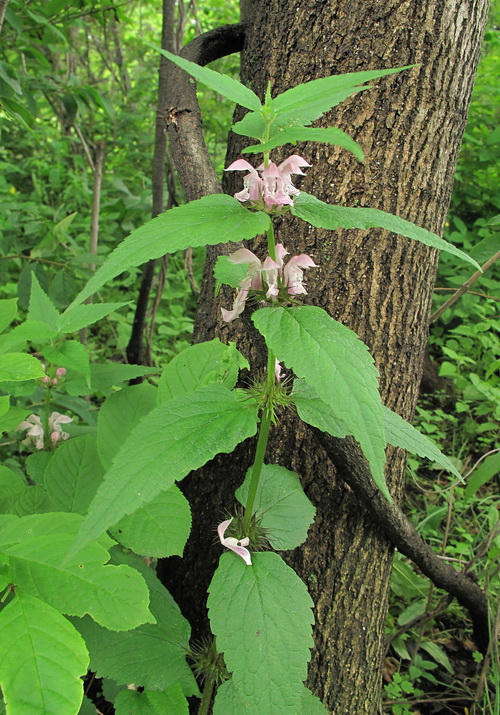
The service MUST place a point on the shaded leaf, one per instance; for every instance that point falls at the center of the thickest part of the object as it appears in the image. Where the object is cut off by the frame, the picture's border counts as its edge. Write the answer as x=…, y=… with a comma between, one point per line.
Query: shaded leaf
x=312, y=410
x=286, y=512
x=120, y=413
x=487, y=469
x=103, y=377
x=153, y=656
x=401, y=433
x=73, y=474
x=8, y=310
x=322, y=215
x=152, y=702
x=159, y=528
x=198, y=365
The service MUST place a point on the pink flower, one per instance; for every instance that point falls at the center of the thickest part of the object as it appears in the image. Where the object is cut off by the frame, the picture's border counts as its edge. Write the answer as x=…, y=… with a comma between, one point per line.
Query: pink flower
x=278, y=374
x=236, y=545
x=269, y=277
x=34, y=435
x=274, y=187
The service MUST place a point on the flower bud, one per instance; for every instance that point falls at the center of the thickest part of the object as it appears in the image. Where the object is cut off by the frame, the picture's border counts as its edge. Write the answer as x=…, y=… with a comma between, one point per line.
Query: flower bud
x=60, y=372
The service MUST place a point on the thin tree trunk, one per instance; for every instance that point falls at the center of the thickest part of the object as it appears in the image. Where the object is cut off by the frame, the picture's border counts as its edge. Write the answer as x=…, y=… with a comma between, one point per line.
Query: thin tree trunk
x=135, y=347
x=3, y=8
x=96, y=198
x=410, y=126
x=98, y=164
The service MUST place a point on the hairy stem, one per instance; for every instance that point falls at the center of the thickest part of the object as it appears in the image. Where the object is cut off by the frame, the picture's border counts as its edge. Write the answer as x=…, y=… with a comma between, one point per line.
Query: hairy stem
x=260, y=451
x=207, y=696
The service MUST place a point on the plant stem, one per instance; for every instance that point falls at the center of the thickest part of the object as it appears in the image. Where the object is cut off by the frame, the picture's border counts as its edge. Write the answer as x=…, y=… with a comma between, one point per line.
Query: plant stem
x=260, y=451
x=206, y=697
x=46, y=435
x=271, y=245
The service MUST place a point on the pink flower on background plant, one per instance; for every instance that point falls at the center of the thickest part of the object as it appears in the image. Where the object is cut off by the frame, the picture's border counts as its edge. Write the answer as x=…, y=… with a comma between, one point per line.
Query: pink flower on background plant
x=236, y=545
x=268, y=277
x=274, y=188
x=34, y=435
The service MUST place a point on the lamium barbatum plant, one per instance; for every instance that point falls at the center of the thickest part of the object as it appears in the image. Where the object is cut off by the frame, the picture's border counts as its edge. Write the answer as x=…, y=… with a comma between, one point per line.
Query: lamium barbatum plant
x=260, y=611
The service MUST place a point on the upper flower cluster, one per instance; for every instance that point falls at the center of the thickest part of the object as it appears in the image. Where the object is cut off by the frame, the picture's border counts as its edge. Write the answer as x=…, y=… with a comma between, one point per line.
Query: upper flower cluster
x=268, y=277
x=35, y=433
x=273, y=189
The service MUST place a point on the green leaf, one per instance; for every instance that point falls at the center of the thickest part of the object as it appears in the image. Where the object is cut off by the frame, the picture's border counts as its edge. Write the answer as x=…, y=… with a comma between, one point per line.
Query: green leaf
x=4, y=404
x=103, y=377
x=311, y=704
x=41, y=307
x=34, y=331
x=252, y=125
x=8, y=310
x=261, y=616
x=152, y=656
x=286, y=512
x=338, y=366
x=487, y=469
x=11, y=483
x=121, y=412
x=31, y=500
x=12, y=418
x=159, y=528
x=230, y=700
x=199, y=365
x=151, y=702
x=330, y=135
x=401, y=433
x=83, y=315
x=322, y=215
x=41, y=660
x=17, y=111
x=36, y=465
x=229, y=273
x=180, y=435
x=306, y=102
x=73, y=474
x=221, y=83
x=9, y=75
x=115, y=596
x=439, y=655
x=312, y=410
x=17, y=367
x=71, y=355
x=210, y=220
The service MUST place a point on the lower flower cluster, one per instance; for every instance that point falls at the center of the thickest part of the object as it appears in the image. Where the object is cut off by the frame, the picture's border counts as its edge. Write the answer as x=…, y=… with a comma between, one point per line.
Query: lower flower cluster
x=269, y=278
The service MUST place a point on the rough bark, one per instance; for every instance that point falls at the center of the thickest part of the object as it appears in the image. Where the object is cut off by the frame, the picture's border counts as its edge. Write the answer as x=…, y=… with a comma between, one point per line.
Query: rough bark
x=410, y=126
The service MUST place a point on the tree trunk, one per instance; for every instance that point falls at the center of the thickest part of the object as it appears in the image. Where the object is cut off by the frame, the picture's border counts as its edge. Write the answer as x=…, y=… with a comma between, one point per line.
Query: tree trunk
x=410, y=126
